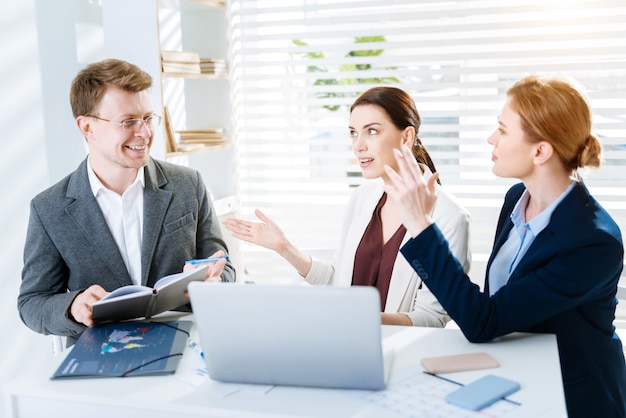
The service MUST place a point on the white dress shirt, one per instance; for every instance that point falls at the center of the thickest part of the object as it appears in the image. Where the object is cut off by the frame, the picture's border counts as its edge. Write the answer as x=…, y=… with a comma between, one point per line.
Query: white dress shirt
x=124, y=216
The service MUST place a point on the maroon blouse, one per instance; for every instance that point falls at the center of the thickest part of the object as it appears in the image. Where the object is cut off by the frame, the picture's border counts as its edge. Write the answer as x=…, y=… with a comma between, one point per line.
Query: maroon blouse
x=373, y=261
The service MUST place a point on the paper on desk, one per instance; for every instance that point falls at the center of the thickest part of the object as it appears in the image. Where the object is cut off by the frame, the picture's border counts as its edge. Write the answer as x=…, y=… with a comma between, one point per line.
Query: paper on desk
x=221, y=389
x=192, y=371
x=412, y=393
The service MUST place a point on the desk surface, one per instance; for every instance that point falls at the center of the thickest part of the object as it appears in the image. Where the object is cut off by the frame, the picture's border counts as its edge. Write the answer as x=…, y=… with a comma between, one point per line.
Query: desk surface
x=531, y=359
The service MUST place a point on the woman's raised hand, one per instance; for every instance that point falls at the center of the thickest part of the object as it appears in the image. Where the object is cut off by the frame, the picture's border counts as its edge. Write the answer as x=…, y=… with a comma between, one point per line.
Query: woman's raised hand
x=413, y=195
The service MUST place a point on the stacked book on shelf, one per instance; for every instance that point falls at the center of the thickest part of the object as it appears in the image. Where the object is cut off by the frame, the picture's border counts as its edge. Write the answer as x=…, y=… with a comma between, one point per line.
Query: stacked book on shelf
x=180, y=62
x=214, y=3
x=170, y=137
x=190, y=140
x=190, y=63
x=214, y=66
x=194, y=138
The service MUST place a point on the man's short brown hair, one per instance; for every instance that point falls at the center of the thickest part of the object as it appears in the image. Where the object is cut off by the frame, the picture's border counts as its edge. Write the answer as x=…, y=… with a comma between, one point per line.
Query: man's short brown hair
x=90, y=84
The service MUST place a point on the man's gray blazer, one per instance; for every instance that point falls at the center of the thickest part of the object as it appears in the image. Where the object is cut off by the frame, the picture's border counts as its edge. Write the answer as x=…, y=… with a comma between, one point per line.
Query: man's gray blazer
x=69, y=246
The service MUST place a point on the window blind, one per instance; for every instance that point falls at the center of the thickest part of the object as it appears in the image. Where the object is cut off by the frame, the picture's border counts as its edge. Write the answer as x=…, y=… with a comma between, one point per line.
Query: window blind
x=297, y=66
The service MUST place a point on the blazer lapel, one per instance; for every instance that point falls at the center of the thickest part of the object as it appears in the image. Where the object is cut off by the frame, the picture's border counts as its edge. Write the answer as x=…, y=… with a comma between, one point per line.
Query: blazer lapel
x=155, y=204
x=561, y=218
x=502, y=237
x=504, y=227
x=88, y=218
x=361, y=217
x=402, y=274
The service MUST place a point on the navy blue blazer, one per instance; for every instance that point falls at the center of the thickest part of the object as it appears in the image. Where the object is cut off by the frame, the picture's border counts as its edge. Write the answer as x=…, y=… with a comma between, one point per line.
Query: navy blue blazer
x=565, y=285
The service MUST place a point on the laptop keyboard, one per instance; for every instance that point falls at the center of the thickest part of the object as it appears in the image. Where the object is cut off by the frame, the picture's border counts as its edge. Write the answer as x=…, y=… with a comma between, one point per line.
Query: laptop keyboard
x=422, y=395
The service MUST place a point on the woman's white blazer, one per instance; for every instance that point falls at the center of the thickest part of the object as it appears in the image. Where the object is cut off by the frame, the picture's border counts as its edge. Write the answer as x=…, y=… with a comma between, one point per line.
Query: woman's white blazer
x=406, y=293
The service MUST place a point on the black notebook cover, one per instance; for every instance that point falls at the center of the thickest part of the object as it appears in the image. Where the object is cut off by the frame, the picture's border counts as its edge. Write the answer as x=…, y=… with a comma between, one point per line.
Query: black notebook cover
x=126, y=349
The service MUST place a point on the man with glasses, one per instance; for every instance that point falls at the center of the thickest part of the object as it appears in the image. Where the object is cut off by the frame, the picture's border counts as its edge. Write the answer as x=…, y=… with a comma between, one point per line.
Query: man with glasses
x=121, y=218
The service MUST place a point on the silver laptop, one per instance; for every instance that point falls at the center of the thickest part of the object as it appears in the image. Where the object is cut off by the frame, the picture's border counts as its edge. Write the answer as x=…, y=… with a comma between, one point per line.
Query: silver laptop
x=316, y=336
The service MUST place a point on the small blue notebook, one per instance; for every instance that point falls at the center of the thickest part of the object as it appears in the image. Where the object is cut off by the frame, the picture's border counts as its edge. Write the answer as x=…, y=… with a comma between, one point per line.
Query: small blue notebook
x=126, y=349
x=483, y=392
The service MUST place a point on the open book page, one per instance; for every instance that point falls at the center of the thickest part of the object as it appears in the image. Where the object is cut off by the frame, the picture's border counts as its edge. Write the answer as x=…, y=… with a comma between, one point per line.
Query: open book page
x=128, y=292
x=172, y=278
x=172, y=290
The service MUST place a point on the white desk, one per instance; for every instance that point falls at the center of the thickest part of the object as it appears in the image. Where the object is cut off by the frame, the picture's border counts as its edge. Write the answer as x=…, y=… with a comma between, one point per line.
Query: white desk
x=530, y=359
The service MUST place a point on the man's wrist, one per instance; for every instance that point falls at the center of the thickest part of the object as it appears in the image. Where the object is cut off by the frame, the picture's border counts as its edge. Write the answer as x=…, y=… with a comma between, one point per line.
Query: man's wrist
x=68, y=312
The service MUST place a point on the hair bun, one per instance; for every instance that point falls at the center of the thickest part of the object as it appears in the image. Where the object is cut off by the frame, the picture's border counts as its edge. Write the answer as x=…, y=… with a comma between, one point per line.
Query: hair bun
x=590, y=153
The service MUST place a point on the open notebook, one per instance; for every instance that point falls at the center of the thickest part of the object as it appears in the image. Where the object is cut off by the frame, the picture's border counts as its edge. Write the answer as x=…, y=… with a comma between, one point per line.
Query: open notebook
x=319, y=336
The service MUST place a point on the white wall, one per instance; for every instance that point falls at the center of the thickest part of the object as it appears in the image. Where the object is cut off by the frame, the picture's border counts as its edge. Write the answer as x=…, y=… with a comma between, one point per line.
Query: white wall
x=24, y=170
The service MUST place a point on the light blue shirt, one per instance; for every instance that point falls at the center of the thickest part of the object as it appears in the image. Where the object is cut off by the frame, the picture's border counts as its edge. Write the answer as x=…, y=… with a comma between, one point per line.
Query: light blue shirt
x=520, y=238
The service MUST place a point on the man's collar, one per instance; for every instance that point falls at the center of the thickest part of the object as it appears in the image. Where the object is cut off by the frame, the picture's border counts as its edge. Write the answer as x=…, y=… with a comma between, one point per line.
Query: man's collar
x=96, y=185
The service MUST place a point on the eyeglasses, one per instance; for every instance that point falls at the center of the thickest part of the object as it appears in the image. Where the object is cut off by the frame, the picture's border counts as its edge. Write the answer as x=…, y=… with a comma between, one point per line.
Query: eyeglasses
x=133, y=125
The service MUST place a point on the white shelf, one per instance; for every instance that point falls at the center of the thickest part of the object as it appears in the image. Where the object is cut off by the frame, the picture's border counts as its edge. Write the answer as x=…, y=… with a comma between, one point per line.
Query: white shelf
x=201, y=76
x=201, y=100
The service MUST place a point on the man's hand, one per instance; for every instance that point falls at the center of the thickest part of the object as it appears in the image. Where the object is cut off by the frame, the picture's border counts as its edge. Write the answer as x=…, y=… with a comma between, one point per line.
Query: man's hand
x=81, y=306
x=215, y=268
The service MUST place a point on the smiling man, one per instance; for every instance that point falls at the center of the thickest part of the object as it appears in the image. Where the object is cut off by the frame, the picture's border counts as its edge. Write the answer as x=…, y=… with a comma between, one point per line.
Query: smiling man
x=121, y=218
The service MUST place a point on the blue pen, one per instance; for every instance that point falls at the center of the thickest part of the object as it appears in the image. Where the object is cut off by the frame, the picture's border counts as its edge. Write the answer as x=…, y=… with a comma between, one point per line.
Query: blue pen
x=195, y=347
x=205, y=260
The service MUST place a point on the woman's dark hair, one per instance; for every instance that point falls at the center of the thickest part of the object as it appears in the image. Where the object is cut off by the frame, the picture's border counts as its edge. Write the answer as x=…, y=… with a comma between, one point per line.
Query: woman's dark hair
x=402, y=112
